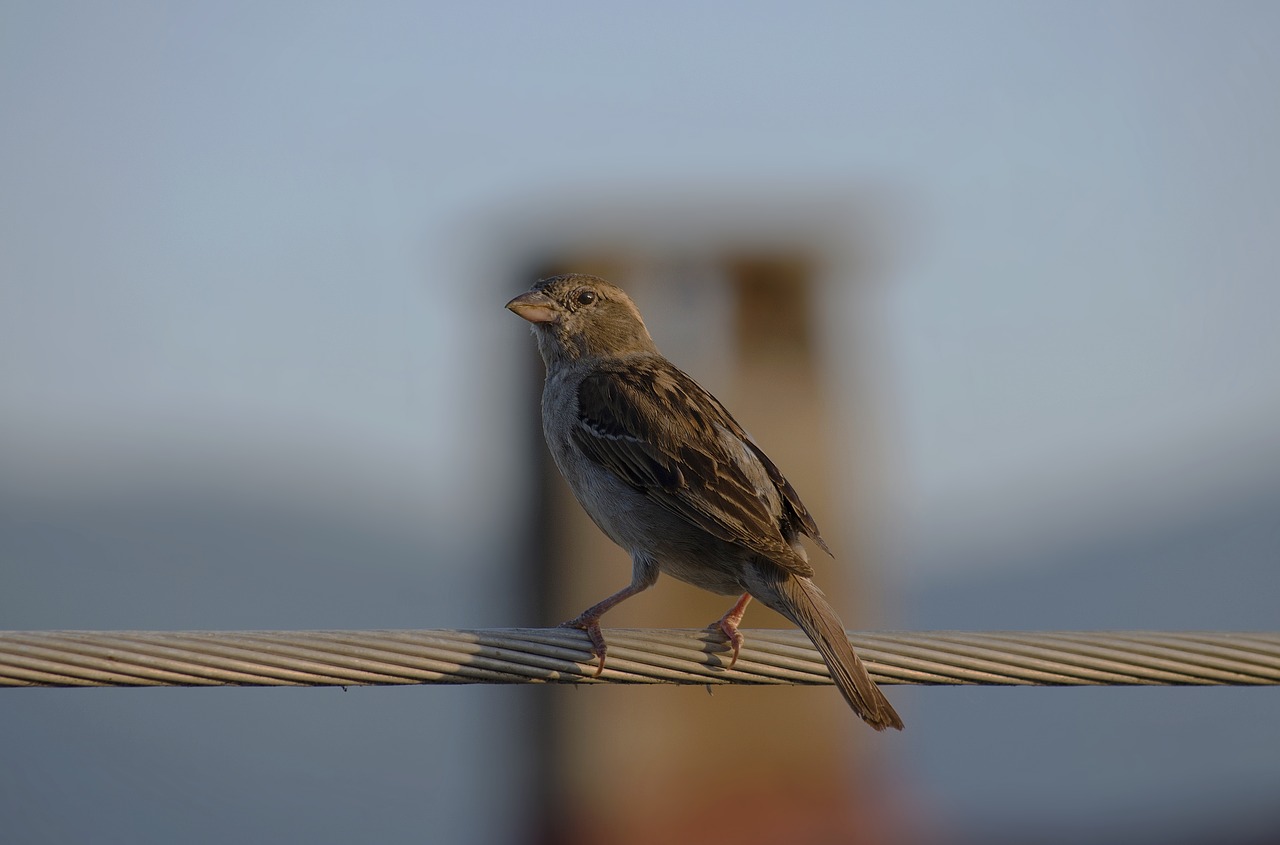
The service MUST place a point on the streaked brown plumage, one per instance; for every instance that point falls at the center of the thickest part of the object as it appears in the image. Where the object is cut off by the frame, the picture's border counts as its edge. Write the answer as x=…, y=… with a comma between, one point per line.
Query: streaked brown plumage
x=668, y=474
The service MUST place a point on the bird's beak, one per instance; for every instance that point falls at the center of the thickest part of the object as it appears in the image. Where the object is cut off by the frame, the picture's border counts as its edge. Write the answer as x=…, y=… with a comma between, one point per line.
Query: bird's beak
x=534, y=306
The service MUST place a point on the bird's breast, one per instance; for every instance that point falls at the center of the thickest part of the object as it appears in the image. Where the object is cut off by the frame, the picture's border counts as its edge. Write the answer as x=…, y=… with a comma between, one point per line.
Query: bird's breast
x=629, y=517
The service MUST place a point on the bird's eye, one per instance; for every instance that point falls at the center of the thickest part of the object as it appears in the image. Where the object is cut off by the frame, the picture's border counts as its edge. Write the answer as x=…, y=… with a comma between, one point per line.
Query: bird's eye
x=586, y=297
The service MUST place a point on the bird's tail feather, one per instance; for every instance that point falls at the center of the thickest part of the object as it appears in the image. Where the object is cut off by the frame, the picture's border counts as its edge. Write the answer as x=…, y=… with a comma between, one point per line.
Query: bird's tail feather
x=803, y=603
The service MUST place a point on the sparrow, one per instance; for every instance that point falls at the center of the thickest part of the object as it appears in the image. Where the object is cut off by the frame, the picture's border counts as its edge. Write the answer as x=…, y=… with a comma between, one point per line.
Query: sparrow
x=670, y=476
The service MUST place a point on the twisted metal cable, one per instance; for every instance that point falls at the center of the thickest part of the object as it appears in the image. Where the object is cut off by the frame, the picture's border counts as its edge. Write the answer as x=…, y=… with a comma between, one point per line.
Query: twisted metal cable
x=556, y=655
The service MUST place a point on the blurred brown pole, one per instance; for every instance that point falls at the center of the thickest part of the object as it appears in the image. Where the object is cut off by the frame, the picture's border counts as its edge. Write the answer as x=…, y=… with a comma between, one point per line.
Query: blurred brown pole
x=638, y=765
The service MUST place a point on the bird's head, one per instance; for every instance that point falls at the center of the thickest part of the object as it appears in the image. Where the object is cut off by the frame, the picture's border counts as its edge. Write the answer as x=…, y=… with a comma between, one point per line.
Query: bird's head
x=578, y=316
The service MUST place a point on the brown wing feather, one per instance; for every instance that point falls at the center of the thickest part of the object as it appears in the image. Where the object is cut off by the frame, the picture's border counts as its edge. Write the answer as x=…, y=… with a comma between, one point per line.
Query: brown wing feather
x=802, y=520
x=627, y=424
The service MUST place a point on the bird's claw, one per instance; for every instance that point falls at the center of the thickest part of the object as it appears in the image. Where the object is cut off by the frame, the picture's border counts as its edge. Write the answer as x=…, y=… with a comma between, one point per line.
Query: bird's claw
x=728, y=626
x=732, y=635
x=592, y=628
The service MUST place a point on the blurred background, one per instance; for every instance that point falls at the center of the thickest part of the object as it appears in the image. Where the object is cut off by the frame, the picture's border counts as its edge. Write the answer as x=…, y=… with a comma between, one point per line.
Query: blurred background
x=994, y=284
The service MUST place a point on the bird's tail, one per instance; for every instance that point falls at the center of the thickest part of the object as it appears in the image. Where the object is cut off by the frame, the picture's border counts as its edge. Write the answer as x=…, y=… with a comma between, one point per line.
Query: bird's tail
x=800, y=600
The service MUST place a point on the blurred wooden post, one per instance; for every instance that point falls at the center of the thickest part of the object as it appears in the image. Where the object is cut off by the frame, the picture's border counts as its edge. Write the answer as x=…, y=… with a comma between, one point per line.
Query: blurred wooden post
x=638, y=765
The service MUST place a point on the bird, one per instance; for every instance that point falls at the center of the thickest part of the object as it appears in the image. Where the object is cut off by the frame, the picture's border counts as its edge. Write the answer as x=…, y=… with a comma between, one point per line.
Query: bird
x=667, y=473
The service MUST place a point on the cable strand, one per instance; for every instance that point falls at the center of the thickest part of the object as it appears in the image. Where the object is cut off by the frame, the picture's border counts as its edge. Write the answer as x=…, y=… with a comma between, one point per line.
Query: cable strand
x=636, y=656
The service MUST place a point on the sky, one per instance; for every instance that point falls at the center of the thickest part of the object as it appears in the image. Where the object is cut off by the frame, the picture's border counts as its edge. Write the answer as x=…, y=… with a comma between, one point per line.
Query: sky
x=242, y=215
x=238, y=222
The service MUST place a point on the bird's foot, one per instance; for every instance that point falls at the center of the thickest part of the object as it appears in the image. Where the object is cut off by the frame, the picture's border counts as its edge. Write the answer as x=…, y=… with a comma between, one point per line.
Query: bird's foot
x=728, y=626
x=590, y=624
x=733, y=635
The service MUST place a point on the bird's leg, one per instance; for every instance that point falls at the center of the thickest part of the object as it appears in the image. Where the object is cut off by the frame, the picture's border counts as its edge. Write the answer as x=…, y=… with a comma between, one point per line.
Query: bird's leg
x=643, y=574
x=589, y=621
x=728, y=625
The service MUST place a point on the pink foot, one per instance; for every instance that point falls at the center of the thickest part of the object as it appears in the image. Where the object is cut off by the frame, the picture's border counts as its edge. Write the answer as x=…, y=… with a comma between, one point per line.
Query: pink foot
x=590, y=624
x=728, y=625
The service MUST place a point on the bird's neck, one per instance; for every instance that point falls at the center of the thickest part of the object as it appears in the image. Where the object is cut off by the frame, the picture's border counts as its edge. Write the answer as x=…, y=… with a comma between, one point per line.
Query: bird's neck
x=560, y=349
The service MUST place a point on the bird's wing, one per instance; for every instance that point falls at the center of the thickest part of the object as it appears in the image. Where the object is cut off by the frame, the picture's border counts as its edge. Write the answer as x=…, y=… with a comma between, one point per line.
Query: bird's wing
x=796, y=510
x=658, y=431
